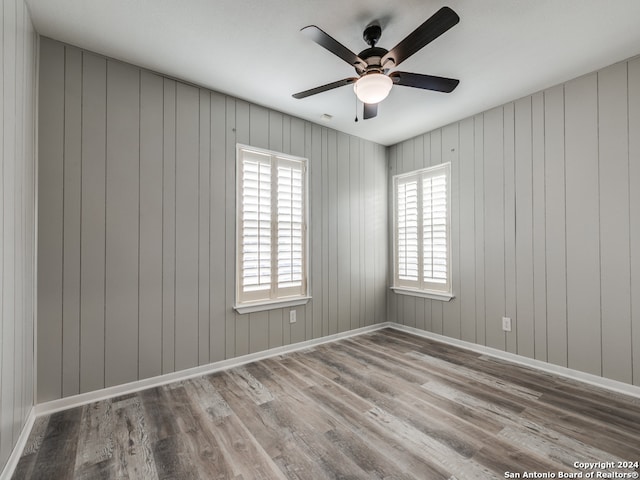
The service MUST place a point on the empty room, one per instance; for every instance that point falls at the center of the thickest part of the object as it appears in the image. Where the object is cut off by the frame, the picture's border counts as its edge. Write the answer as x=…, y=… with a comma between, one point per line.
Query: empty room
x=319, y=239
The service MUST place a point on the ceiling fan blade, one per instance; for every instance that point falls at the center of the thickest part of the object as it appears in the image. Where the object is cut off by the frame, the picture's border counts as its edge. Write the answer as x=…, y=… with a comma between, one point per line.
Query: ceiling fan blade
x=427, y=82
x=324, y=88
x=436, y=25
x=325, y=40
x=370, y=110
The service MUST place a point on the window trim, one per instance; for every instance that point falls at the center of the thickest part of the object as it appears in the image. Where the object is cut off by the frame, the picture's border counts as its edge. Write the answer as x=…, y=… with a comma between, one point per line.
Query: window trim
x=426, y=290
x=249, y=306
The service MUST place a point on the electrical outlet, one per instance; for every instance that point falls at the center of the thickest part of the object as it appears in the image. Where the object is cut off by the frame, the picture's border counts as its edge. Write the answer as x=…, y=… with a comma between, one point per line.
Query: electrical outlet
x=292, y=316
x=506, y=324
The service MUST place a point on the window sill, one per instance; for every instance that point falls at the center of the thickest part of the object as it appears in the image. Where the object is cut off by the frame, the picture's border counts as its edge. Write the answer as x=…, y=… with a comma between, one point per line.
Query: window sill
x=442, y=296
x=262, y=306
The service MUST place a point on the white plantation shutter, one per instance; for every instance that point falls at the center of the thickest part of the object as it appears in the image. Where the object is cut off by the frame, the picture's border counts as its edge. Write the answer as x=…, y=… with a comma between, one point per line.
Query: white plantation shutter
x=271, y=226
x=290, y=225
x=255, y=269
x=434, y=237
x=421, y=230
x=407, y=230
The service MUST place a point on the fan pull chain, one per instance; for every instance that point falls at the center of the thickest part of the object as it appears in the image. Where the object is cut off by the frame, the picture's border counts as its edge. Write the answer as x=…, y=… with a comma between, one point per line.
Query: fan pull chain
x=356, y=108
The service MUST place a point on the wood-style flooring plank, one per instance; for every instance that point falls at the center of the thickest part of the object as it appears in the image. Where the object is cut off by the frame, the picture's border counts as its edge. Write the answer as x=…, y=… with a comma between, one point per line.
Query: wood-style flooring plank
x=382, y=405
x=57, y=453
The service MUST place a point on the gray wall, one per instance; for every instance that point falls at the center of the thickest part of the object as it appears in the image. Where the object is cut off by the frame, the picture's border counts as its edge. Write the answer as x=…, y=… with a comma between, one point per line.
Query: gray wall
x=17, y=220
x=137, y=225
x=546, y=225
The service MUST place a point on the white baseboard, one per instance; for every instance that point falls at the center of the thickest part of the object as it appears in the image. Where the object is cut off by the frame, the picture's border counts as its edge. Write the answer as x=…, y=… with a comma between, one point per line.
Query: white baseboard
x=16, y=453
x=589, y=378
x=53, y=406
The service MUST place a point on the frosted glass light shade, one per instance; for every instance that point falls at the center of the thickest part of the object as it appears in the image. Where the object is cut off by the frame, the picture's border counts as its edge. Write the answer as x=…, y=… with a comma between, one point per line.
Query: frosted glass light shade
x=373, y=88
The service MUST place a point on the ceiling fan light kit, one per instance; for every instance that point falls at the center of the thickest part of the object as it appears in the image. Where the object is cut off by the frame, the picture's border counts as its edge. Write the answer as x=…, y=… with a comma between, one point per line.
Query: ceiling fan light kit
x=373, y=87
x=373, y=65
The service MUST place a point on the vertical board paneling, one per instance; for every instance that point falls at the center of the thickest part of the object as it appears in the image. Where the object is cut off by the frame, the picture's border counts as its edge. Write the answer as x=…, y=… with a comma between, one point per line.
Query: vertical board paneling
x=72, y=217
x=17, y=227
x=382, y=244
x=510, y=225
x=615, y=290
x=370, y=215
x=481, y=332
x=539, y=347
x=556, y=253
x=494, y=226
x=325, y=230
x=187, y=232
x=582, y=221
x=9, y=227
x=524, y=321
x=634, y=212
x=343, y=239
x=466, y=192
x=316, y=232
x=50, y=196
x=122, y=218
x=258, y=126
x=334, y=225
x=204, y=202
x=31, y=120
x=230, y=222
x=150, y=282
x=92, y=247
x=355, y=213
x=18, y=233
x=217, y=229
x=168, y=225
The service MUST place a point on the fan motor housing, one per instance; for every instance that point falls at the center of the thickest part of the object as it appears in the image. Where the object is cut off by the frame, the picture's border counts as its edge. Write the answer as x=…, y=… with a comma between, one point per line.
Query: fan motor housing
x=372, y=56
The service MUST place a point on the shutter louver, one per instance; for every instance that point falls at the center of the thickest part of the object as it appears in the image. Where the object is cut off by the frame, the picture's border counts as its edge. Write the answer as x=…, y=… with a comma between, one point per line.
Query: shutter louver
x=408, y=231
x=256, y=224
x=434, y=197
x=290, y=225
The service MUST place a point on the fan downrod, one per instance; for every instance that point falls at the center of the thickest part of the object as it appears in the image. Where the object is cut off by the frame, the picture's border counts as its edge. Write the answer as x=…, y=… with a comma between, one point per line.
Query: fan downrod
x=372, y=34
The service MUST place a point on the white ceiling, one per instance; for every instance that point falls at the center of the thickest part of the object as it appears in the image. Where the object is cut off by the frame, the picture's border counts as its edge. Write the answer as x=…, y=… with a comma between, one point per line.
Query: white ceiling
x=253, y=49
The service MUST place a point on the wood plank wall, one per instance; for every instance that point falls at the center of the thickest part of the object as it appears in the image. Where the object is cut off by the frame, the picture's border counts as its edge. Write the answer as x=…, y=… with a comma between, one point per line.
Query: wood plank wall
x=137, y=225
x=545, y=225
x=17, y=220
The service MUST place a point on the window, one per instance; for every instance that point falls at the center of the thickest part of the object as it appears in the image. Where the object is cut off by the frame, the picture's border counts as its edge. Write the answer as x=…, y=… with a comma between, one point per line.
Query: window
x=271, y=230
x=421, y=233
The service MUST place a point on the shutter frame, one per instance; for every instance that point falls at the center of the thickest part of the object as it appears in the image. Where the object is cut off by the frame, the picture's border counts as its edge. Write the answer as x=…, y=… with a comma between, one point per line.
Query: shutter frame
x=294, y=238
x=434, y=237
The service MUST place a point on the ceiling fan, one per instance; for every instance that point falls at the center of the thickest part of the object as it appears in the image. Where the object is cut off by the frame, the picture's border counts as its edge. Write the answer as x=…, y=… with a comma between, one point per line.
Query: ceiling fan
x=374, y=82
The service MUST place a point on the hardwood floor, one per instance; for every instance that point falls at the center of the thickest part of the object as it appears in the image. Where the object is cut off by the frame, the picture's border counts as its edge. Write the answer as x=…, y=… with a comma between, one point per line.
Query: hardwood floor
x=382, y=405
